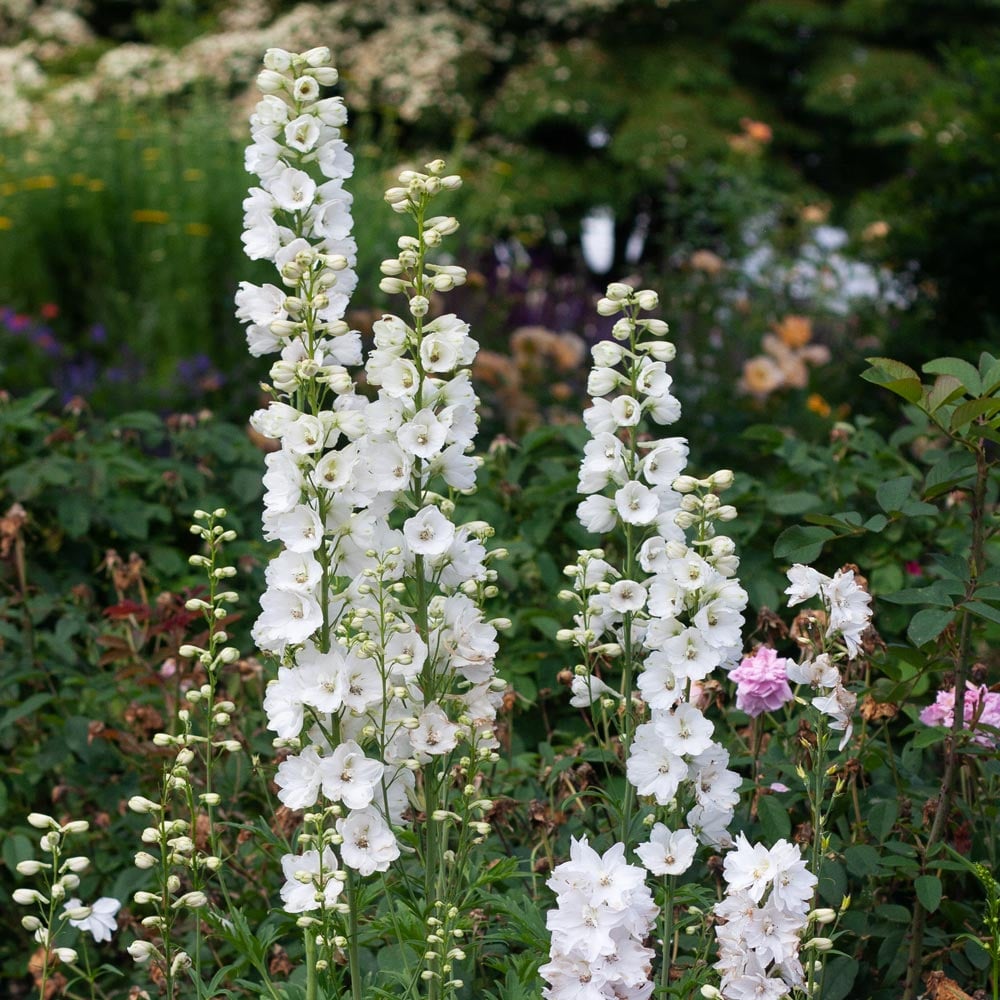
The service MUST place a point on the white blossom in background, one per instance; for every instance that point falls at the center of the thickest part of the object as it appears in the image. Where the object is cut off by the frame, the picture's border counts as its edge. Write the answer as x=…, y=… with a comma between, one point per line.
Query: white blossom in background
x=847, y=609
x=770, y=891
x=662, y=617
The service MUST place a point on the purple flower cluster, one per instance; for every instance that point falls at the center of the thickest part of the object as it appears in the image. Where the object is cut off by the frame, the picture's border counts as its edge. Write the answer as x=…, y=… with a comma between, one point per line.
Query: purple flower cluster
x=982, y=709
x=761, y=682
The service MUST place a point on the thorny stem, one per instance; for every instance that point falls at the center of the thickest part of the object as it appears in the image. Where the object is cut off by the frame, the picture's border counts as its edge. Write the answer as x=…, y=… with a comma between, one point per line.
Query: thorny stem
x=953, y=759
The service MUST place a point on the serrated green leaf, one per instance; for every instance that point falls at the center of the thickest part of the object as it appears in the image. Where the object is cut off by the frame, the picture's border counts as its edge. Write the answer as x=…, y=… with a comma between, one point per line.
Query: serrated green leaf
x=800, y=544
x=928, y=891
x=882, y=818
x=957, y=369
x=965, y=413
x=892, y=369
x=944, y=390
x=909, y=388
x=892, y=494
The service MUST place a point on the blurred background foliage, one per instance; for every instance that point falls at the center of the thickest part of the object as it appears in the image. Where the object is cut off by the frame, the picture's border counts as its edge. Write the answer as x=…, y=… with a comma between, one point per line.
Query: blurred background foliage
x=696, y=125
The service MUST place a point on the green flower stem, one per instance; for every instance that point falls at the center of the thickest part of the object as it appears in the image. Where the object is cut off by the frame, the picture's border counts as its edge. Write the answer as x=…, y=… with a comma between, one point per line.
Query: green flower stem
x=353, y=951
x=312, y=985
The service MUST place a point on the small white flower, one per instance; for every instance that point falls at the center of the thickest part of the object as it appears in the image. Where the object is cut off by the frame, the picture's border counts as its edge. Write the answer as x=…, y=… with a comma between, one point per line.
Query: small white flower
x=636, y=504
x=369, y=845
x=429, y=532
x=668, y=852
x=101, y=922
x=627, y=595
x=293, y=190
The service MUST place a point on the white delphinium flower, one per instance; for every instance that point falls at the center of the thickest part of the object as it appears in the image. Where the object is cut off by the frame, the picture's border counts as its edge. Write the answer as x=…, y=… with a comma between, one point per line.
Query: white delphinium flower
x=387, y=676
x=604, y=912
x=369, y=845
x=100, y=922
x=669, y=852
x=762, y=918
x=310, y=881
x=671, y=611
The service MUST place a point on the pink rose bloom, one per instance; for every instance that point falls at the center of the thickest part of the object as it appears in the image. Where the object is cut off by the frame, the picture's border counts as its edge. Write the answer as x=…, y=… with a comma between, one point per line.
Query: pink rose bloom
x=981, y=704
x=762, y=682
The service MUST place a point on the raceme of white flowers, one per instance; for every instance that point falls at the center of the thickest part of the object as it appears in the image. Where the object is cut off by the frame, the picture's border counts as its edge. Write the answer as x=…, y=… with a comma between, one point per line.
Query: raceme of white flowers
x=765, y=911
x=373, y=606
x=847, y=607
x=604, y=913
x=671, y=612
x=59, y=876
x=769, y=892
x=674, y=607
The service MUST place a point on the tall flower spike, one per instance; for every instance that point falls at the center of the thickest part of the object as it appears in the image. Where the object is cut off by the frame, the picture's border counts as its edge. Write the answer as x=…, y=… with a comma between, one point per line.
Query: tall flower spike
x=386, y=682
x=669, y=612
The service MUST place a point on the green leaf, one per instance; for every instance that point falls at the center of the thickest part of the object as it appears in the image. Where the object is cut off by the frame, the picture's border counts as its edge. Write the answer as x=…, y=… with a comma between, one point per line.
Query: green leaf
x=800, y=544
x=982, y=610
x=959, y=370
x=26, y=707
x=882, y=818
x=876, y=523
x=774, y=818
x=939, y=593
x=793, y=503
x=73, y=514
x=832, y=882
x=862, y=860
x=927, y=625
x=896, y=377
x=944, y=390
x=928, y=891
x=17, y=848
x=839, y=976
x=891, y=495
x=929, y=736
x=893, y=912
x=972, y=410
x=947, y=472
